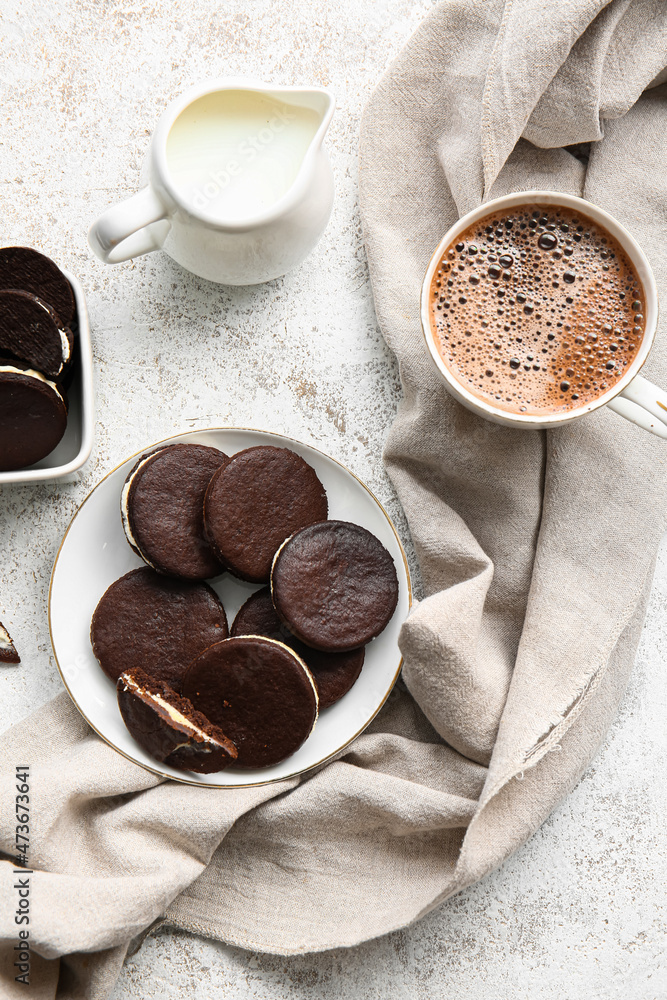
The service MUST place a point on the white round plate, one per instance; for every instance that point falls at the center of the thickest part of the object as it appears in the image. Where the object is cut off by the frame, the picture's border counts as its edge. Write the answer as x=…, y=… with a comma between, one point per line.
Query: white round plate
x=94, y=553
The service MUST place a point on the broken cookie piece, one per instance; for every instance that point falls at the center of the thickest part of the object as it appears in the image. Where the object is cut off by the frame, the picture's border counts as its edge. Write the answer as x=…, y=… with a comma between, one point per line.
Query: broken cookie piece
x=169, y=728
x=8, y=652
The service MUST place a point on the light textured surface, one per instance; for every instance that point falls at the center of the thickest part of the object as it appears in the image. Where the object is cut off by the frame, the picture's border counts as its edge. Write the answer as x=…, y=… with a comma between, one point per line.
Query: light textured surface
x=579, y=910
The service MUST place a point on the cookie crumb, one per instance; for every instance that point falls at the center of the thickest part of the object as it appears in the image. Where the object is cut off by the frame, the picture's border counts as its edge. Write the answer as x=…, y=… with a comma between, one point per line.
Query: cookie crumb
x=8, y=653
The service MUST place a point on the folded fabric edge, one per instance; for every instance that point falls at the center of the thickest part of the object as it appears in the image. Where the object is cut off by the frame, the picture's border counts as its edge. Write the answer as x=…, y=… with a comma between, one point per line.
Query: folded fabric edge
x=541, y=762
x=561, y=722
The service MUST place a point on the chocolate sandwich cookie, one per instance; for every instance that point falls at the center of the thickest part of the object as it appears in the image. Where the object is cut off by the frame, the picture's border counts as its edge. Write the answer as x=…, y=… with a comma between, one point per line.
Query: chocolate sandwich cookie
x=33, y=416
x=8, y=652
x=169, y=728
x=254, y=502
x=162, y=506
x=334, y=585
x=154, y=622
x=31, y=271
x=31, y=331
x=259, y=692
x=333, y=673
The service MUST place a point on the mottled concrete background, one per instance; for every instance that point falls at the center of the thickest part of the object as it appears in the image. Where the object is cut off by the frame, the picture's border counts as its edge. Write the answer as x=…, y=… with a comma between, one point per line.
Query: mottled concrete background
x=579, y=912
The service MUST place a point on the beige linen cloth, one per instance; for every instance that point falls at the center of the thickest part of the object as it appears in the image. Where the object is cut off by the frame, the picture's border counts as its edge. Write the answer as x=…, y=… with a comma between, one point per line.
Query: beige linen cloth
x=536, y=552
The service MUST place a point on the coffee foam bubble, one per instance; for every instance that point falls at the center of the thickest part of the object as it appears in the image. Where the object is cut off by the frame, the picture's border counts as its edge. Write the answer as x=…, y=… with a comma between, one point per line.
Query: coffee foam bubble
x=537, y=309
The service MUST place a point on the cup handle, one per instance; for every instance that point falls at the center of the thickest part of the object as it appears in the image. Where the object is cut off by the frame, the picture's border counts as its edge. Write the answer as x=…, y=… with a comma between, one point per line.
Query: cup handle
x=644, y=404
x=122, y=231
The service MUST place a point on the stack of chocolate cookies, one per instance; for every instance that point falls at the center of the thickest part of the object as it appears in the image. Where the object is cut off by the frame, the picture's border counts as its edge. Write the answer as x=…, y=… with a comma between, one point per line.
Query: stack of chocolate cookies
x=37, y=312
x=192, y=694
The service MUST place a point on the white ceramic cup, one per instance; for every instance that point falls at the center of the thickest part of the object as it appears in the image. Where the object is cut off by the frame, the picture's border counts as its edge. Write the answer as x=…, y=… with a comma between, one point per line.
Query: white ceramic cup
x=246, y=248
x=633, y=397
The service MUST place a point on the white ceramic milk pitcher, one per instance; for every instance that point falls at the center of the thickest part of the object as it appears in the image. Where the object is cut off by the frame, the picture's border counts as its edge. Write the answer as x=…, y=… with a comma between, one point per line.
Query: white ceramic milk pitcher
x=238, y=185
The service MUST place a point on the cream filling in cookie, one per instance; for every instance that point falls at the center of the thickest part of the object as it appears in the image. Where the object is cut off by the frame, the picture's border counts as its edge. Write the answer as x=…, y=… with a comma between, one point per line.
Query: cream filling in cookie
x=66, y=349
x=31, y=373
x=124, y=512
x=172, y=712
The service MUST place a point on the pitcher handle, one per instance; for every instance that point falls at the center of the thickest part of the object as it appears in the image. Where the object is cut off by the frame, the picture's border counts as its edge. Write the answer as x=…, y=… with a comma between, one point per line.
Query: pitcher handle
x=644, y=404
x=122, y=231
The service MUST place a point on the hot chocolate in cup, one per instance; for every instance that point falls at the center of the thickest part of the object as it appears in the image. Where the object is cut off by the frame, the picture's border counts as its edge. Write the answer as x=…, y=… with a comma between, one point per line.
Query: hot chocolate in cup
x=538, y=308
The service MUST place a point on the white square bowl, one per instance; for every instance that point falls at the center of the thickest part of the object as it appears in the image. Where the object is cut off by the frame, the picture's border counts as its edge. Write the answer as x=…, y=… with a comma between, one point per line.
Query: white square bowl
x=77, y=442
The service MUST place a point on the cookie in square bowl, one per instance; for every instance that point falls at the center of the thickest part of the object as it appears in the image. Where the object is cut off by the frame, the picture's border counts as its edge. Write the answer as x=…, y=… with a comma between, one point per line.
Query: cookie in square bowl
x=34, y=399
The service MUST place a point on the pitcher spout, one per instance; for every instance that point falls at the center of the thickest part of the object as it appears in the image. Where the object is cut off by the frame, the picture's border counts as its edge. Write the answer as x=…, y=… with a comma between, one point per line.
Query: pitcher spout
x=322, y=103
x=299, y=125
